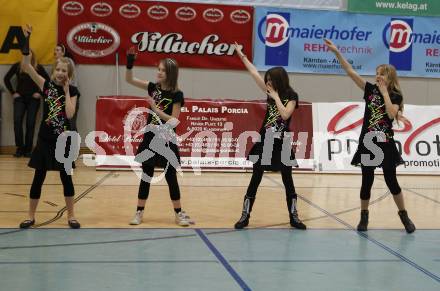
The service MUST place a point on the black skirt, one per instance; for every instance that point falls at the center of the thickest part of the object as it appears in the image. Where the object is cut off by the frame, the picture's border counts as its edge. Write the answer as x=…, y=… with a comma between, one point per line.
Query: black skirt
x=275, y=160
x=43, y=156
x=169, y=155
x=392, y=157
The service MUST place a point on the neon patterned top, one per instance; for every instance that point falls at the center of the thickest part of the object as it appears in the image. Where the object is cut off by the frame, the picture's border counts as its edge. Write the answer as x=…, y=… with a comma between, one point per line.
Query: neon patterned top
x=54, y=120
x=164, y=100
x=375, y=115
x=273, y=120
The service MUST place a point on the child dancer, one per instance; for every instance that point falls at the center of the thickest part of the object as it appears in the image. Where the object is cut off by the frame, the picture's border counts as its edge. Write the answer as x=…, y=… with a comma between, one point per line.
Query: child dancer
x=383, y=102
x=59, y=99
x=281, y=102
x=165, y=100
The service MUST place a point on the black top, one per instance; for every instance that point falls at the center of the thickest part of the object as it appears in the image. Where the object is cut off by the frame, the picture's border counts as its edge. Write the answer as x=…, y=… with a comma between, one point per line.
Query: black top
x=273, y=119
x=55, y=120
x=375, y=115
x=25, y=85
x=164, y=100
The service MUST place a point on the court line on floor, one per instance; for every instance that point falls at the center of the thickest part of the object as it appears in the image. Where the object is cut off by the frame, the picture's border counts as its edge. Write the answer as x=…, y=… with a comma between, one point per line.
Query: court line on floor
x=198, y=261
x=374, y=241
x=215, y=232
x=222, y=260
x=79, y=197
x=420, y=194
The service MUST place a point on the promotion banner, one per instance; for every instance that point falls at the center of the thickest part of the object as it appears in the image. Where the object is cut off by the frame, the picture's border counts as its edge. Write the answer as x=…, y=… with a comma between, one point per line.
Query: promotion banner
x=212, y=134
x=395, y=7
x=338, y=126
x=42, y=15
x=309, y=4
x=294, y=39
x=196, y=35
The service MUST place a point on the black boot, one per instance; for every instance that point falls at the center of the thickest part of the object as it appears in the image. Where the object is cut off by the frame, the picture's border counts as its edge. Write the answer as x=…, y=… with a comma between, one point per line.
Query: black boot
x=363, y=224
x=409, y=225
x=245, y=214
x=293, y=213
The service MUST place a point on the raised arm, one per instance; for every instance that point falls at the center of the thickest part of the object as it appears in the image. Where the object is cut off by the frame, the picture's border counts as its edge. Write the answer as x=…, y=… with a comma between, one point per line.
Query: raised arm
x=70, y=100
x=28, y=68
x=251, y=68
x=131, y=57
x=360, y=82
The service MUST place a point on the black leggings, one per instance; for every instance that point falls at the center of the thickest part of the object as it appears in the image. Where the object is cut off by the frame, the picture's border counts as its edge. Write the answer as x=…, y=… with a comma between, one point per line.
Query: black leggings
x=38, y=181
x=257, y=175
x=171, y=178
x=368, y=179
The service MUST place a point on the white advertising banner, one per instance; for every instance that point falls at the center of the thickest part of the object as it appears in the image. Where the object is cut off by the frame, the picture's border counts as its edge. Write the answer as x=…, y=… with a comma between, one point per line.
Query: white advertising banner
x=337, y=127
x=301, y=4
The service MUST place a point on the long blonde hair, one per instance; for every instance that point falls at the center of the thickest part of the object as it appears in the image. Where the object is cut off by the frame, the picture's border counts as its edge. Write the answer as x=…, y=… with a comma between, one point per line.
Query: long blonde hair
x=393, y=82
x=70, y=66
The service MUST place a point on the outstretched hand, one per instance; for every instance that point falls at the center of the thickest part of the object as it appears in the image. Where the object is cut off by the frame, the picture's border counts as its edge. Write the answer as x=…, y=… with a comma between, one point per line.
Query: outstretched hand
x=132, y=52
x=331, y=46
x=27, y=30
x=238, y=49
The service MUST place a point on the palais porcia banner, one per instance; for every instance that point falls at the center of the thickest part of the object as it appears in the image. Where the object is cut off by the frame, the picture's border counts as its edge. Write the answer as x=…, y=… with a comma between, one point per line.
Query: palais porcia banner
x=294, y=39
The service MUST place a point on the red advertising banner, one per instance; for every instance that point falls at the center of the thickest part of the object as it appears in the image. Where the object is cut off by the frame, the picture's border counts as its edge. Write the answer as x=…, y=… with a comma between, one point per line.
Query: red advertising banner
x=212, y=134
x=196, y=35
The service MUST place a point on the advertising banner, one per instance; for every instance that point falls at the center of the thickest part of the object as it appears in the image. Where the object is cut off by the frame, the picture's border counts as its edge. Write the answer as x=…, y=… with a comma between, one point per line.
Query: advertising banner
x=338, y=126
x=212, y=134
x=396, y=7
x=42, y=15
x=196, y=35
x=294, y=39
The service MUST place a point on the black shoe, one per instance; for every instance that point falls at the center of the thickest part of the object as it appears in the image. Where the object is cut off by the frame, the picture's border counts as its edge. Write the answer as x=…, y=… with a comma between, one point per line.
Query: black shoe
x=27, y=223
x=243, y=222
x=18, y=153
x=73, y=223
x=363, y=224
x=409, y=225
x=27, y=154
x=296, y=222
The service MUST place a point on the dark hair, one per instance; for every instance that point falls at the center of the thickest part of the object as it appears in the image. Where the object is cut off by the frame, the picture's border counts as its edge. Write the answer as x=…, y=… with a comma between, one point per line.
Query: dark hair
x=280, y=81
x=172, y=73
x=66, y=53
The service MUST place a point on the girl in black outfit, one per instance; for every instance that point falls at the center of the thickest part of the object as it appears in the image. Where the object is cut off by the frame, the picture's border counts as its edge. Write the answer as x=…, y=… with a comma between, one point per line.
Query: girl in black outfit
x=27, y=99
x=165, y=100
x=383, y=103
x=281, y=102
x=59, y=100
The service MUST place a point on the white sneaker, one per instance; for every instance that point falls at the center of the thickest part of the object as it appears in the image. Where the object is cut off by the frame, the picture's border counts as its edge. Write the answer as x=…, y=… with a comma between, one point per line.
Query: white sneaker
x=182, y=219
x=137, y=219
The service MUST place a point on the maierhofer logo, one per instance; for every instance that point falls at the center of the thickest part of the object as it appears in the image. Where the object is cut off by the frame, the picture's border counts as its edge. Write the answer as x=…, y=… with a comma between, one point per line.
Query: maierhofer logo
x=275, y=34
x=240, y=16
x=93, y=39
x=101, y=9
x=400, y=33
x=213, y=15
x=72, y=8
x=174, y=43
x=398, y=38
x=186, y=13
x=129, y=11
x=157, y=12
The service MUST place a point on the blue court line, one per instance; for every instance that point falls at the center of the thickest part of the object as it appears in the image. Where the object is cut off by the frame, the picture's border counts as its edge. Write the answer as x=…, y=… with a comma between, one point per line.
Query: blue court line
x=222, y=260
x=200, y=261
x=421, y=195
x=383, y=246
x=364, y=235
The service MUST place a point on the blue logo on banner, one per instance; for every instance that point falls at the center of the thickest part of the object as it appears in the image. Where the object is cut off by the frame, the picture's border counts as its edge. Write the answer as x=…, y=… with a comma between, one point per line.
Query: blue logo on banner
x=398, y=38
x=275, y=38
